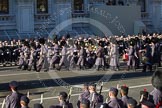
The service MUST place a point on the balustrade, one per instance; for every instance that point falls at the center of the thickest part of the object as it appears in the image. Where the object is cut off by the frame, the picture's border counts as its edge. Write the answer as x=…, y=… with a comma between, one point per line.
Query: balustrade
x=7, y=18
x=41, y=17
x=80, y=15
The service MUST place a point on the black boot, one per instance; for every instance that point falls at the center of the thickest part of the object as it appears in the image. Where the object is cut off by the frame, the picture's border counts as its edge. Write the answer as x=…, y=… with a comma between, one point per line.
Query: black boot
x=103, y=68
x=29, y=68
x=25, y=67
x=20, y=67
x=58, y=68
x=128, y=68
x=38, y=69
x=82, y=67
x=144, y=68
x=97, y=68
x=150, y=67
x=134, y=68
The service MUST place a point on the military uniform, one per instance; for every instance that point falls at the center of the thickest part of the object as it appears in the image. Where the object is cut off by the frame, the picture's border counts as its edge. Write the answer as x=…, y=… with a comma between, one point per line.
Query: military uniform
x=63, y=60
x=156, y=94
x=70, y=56
x=124, y=94
x=7, y=54
x=13, y=100
x=115, y=102
x=148, y=56
x=155, y=52
x=63, y=57
x=73, y=60
x=131, y=55
x=26, y=57
x=113, y=57
x=32, y=57
x=42, y=63
x=144, y=101
x=100, y=57
x=1, y=55
x=90, y=60
x=82, y=57
x=137, y=57
x=21, y=56
x=94, y=97
x=84, y=95
x=55, y=58
x=121, y=46
x=125, y=101
x=63, y=100
x=14, y=54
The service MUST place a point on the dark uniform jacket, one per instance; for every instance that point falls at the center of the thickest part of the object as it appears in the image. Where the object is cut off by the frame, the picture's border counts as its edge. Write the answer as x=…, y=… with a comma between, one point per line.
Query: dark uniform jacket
x=115, y=103
x=13, y=100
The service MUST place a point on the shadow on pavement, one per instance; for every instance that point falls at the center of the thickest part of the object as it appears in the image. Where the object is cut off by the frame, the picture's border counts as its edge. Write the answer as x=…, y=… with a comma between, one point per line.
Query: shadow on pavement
x=32, y=84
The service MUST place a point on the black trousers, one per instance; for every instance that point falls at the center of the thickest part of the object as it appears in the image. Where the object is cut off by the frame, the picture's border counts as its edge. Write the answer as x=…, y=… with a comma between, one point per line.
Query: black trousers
x=145, y=66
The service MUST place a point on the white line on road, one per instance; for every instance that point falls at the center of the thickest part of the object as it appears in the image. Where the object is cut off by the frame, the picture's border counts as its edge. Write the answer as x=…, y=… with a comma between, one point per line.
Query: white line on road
x=17, y=74
x=138, y=86
x=55, y=97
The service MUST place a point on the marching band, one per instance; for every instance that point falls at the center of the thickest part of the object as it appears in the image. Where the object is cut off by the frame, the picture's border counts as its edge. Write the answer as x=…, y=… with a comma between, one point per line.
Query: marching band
x=82, y=53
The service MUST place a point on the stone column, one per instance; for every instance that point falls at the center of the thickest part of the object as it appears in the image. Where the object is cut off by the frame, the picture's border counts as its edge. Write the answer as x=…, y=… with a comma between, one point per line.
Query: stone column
x=85, y=6
x=25, y=16
x=156, y=13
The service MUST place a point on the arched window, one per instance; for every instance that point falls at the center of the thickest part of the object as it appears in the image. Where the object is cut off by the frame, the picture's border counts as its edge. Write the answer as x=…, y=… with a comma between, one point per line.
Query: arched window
x=4, y=7
x=42, y=6
x=78, y=5
x=142, y=3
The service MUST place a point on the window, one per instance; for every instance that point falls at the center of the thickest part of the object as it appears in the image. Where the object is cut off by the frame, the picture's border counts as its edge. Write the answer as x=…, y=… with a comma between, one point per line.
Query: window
x=42, y=6
x=78, y=6
x=4, y=6
x=142, y=3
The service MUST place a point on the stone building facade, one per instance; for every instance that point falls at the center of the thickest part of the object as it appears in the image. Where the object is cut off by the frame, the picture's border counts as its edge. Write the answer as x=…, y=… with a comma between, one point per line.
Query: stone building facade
x=28, y=18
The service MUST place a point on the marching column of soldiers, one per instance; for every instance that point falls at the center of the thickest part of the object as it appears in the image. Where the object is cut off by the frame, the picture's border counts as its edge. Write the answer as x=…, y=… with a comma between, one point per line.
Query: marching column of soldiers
x=91, y=98
x=83, y=53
